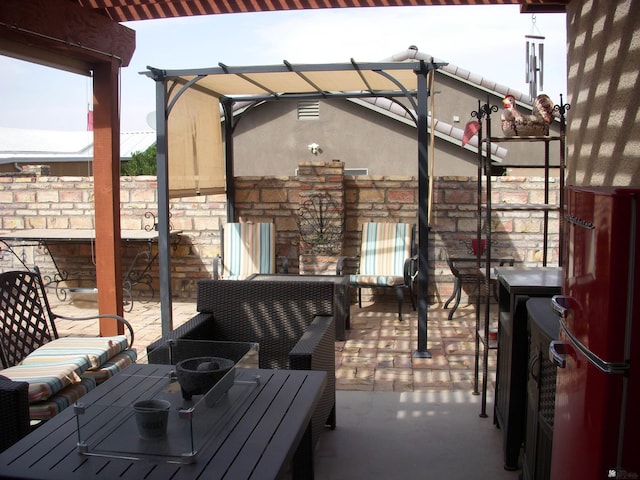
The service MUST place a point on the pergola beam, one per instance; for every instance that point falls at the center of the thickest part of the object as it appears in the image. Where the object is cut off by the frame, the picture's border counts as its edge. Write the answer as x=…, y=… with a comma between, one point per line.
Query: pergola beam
x=61, y=34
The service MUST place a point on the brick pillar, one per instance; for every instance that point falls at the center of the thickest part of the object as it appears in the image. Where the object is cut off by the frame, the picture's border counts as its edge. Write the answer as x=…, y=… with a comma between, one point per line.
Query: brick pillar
x=321, y=216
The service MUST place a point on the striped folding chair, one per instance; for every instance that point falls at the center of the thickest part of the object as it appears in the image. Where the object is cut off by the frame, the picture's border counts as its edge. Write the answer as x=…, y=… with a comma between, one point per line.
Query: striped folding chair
x=387, y=260
x=247, y=248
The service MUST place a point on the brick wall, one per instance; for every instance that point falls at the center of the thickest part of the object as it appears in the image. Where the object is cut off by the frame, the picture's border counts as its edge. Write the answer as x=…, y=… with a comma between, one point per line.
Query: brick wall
x=67, y=202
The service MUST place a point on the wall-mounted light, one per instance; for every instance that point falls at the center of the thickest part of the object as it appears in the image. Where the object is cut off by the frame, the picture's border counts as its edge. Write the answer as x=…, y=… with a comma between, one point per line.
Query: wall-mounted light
x=314, y=148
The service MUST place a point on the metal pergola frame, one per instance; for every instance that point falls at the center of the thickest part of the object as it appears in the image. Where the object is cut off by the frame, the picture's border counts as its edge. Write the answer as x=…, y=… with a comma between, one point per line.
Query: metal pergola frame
x=178, y=81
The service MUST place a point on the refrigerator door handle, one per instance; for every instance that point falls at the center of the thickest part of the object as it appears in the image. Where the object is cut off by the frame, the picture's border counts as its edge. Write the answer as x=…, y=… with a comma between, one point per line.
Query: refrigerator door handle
x=562, y=305
x=558, y=352
x=616, y=368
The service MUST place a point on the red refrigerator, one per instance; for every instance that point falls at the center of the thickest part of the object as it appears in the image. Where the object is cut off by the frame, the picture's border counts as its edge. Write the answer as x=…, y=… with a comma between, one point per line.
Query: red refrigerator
x=596, y=431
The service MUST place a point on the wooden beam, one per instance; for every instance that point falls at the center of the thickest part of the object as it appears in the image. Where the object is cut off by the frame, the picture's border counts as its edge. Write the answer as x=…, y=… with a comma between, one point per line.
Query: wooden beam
x=62, y=34
x=106, y=167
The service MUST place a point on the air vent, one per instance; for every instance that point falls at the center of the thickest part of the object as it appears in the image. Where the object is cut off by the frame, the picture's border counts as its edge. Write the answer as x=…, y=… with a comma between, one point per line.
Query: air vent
x=308, y=110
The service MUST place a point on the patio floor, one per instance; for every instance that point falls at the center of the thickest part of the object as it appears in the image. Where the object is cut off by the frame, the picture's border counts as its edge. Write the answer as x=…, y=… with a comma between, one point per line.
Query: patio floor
x=398, y=416
x=377, y=355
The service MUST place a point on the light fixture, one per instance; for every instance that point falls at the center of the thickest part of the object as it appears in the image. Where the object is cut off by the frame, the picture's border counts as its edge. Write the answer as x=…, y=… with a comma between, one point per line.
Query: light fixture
x=314, y=148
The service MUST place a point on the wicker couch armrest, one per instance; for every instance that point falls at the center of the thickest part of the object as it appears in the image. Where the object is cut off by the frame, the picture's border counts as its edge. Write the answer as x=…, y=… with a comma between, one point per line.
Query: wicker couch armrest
x=14, y=411
x=316, y=351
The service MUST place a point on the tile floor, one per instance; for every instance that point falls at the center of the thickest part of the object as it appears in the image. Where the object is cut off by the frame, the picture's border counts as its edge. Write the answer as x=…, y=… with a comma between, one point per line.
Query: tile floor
x=378, y=354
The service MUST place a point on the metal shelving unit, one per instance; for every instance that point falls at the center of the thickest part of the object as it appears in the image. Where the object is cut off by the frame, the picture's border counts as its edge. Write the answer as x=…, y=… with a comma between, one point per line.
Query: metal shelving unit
x=484, y=214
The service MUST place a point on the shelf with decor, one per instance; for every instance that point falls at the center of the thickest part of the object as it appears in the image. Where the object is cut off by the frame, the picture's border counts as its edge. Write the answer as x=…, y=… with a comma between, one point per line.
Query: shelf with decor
x=486, y=208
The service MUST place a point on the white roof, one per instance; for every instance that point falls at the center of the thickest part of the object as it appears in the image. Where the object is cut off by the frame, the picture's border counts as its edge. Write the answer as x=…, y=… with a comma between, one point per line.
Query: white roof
x=25, y=145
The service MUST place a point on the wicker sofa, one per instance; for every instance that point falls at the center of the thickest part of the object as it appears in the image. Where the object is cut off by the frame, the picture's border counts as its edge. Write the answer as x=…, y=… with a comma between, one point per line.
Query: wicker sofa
x=291, y=321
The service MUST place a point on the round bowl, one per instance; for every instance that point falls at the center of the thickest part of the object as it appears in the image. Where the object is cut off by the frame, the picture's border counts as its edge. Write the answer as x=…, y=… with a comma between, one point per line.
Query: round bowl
x=197, y=375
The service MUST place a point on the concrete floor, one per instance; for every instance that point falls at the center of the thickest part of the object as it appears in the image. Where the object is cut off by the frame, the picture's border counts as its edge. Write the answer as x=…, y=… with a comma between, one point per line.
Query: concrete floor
x=398, y=416
x=401, y=435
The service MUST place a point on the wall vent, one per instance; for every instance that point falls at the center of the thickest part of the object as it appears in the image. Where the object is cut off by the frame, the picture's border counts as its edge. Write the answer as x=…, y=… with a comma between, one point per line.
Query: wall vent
x=308, y=109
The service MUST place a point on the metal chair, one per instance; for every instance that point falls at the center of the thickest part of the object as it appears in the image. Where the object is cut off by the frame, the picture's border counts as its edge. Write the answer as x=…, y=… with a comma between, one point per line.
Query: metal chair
x=246, y=249
x=42, y=373
x=387, y=259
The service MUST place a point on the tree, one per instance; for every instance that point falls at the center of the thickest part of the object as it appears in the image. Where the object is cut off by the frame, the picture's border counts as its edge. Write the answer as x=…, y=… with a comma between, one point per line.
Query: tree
x=141, y=163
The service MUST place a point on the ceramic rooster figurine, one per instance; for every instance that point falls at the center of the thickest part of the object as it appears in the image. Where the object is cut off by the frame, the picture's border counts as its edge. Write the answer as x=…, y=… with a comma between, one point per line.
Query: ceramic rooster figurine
x=537, y=123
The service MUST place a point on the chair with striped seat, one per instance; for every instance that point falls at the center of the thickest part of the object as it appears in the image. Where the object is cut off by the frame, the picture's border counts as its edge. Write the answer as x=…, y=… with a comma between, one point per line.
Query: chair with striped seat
x=246, y=249
x=42, y=372
x=387, y=260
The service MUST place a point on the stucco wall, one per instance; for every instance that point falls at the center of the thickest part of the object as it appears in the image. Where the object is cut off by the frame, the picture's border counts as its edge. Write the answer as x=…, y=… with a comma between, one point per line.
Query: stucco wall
x=604, y=85
x=270, y=140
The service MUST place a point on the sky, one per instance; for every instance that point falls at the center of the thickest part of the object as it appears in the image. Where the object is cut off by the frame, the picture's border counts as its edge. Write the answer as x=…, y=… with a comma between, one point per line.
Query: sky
x=486, y=40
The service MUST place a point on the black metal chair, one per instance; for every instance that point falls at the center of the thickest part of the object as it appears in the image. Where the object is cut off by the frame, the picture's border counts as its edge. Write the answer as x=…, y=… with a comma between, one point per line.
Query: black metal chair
x=27, y=324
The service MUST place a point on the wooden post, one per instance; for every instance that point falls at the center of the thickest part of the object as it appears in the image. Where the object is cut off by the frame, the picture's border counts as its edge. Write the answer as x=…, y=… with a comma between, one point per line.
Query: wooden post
x=106, y=153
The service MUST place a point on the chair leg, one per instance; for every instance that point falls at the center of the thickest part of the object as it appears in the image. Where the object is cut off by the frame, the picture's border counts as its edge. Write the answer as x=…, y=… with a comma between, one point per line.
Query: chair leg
x=359, y=297
x=458, y=293
x=400, y=296
x=456, y=288
x=413, y=302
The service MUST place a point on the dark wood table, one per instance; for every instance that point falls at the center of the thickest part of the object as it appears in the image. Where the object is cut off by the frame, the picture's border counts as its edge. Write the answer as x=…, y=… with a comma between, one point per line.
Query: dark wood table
x=261, y=439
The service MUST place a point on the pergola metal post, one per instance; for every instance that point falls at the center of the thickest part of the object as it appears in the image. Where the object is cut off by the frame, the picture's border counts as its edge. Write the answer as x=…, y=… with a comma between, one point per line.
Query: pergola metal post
x=164, y=257
x=423, y=210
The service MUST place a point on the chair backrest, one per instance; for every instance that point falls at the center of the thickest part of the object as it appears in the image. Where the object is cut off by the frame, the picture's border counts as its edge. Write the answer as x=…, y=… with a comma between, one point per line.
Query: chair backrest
x=384, y=248
x=274, y=314
x=26, y=321
x=248, y=248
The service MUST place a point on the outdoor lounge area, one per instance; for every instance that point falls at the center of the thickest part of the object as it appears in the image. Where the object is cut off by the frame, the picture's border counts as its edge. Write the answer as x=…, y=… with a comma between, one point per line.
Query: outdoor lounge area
x=570, y=410
x=397, y=416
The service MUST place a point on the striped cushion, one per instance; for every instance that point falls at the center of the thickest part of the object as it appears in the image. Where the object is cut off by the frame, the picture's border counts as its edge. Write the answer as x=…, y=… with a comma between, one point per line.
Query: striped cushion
x=97, y=350
x=111, y=367
x=46, y=409
x=248, y=248
x=385, y=247
x=47, y=379
x=376, y=281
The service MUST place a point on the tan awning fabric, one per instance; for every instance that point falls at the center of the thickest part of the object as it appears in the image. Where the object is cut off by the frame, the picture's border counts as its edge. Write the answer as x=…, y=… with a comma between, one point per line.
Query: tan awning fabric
x=242, y=82
x=196, y=158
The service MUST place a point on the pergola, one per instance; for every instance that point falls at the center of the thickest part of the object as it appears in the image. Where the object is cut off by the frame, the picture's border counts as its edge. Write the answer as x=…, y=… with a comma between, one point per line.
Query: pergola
x=85, y=37
x=188, y=105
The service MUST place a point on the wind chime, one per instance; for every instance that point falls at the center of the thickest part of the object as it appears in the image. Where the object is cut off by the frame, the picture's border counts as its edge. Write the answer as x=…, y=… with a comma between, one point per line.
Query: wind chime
x=534, y=59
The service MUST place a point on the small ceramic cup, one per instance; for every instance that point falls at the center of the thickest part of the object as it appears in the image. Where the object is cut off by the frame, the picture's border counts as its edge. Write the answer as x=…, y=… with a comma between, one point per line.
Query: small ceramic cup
x=152, y=417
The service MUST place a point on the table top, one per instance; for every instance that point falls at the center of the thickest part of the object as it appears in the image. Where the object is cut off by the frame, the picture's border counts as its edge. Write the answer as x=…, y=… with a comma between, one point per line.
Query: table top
x=515, y=279
x=68, y=234
x=258, y=440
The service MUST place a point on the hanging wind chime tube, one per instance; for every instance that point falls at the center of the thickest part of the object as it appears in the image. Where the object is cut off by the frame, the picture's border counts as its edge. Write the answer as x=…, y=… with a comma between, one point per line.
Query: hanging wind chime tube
x=534, y=59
